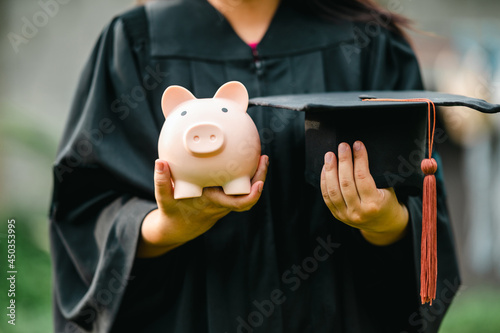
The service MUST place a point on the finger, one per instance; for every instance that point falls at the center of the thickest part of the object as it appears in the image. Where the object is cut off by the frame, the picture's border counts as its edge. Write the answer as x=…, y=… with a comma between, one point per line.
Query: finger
x=346, y=177
x=242, y=202
x=163, y=183
x=331, y=184
x=324, y=188
x=261, y=172
x=364, y=181
x=235, y=202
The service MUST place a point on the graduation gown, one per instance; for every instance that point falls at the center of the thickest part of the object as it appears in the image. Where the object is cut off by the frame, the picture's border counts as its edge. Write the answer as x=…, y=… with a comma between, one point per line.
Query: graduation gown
x=284, y=266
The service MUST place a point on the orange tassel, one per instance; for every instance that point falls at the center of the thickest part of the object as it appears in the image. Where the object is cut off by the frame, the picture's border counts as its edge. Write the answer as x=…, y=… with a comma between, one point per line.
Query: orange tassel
x=428, y=254
x=428, y=262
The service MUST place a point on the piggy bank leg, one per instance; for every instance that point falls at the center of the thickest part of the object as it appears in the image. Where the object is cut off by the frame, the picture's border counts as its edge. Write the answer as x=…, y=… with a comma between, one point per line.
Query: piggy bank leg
x=238, y=186
x=183, y=189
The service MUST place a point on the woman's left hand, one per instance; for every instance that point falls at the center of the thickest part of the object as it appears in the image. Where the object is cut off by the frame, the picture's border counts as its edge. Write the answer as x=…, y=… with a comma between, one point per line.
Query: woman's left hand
x=351, y=195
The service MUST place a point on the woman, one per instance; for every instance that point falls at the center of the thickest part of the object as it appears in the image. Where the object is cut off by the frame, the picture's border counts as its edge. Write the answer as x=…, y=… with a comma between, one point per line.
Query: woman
x=289, y=257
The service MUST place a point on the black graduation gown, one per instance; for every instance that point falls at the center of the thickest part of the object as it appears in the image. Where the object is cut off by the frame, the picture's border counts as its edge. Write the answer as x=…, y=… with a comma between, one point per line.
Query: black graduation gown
x=284, y=266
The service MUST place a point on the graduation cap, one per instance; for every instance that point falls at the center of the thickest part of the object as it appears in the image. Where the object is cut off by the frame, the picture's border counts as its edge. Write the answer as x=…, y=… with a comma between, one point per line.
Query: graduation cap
x=398, y=129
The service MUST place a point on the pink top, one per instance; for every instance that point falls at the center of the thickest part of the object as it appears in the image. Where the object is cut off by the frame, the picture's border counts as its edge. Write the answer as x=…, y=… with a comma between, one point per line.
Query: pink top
x=253, y=45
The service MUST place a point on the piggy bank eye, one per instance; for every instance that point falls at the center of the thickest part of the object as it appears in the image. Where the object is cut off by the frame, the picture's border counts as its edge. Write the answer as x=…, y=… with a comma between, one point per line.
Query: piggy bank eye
x=224, y=110
x=183, y=113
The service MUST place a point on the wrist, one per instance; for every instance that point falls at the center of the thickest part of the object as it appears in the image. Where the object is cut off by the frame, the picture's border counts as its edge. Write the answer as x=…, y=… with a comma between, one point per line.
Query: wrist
x=392, y=232
x=161, y=233
x=153, y=241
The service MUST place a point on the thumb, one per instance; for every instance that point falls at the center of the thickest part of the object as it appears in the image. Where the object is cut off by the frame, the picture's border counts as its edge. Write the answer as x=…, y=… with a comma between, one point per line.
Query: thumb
x=163, y=184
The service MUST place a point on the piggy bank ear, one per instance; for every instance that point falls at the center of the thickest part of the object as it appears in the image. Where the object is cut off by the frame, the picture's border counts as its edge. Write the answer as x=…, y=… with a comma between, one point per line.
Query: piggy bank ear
x=172, y=97
x=234, y=91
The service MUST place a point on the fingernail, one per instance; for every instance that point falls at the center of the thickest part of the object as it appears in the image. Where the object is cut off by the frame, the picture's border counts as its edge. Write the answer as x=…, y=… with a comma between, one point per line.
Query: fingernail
x=329, y=158
x=159, y=166
x=342, y=147
x=267, y=161
x=261, y=186
x=357, y=146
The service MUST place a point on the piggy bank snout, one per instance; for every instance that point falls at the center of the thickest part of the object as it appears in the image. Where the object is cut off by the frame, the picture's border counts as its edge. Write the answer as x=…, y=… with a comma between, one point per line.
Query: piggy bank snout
x=204, y=138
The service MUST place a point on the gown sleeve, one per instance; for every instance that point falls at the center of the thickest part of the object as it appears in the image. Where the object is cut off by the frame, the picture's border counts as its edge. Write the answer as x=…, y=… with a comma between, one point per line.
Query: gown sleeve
x=392, y=65
x=103, y=186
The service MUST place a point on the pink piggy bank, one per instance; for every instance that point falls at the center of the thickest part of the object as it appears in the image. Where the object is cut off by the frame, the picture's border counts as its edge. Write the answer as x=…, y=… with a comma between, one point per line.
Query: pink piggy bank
x=209, y=141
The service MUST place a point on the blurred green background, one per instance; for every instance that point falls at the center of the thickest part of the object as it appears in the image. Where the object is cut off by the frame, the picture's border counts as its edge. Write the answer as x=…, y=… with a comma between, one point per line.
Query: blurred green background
x=36, y=88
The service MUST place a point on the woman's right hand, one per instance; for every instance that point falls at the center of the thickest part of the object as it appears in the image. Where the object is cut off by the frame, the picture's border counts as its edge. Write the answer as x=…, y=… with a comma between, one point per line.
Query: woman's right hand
x=176, y=222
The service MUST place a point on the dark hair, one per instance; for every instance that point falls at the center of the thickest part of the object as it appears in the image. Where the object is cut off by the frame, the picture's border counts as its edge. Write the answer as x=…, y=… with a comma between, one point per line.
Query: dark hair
x=354, y=10
x=350, y=10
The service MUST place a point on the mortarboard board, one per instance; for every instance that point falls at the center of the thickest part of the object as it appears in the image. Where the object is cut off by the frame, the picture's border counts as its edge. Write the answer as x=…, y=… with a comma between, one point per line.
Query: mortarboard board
x=393, y=132
x=398, y=129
